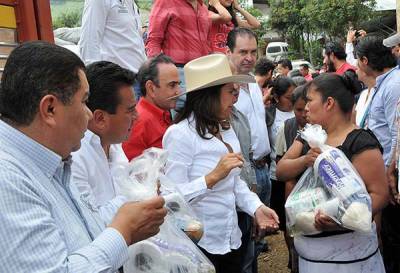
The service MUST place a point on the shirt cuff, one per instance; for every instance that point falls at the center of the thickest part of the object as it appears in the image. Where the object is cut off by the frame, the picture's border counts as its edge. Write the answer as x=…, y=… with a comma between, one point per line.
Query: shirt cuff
x=114, y=246
x=254, y=205
x=194, y=188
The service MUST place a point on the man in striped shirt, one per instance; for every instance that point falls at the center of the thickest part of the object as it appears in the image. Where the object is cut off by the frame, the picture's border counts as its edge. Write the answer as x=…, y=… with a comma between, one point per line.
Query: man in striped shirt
x=45, y=226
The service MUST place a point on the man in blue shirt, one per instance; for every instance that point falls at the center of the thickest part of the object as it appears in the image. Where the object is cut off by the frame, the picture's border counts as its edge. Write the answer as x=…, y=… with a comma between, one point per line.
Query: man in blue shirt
x=45, y=227
x=376, y=60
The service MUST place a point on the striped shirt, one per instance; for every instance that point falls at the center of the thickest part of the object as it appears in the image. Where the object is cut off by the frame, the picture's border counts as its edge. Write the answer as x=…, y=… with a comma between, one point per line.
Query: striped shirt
x=44, y=225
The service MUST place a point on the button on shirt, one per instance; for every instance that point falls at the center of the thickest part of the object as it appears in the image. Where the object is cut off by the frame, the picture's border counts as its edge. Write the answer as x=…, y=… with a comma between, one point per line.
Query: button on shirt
x=381, y=116
x=251, y=104
x=178, y=30
x=44, y=225
x=190, y=159
x=148, y=130
x=111, y=31
x=91, y=173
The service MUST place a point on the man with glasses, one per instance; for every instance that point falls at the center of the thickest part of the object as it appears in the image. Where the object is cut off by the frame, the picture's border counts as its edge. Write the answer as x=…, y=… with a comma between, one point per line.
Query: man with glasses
x=159, y=80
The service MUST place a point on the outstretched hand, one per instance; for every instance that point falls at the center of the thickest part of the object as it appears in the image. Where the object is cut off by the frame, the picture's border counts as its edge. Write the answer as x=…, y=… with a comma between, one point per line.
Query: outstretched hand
x=266, y=219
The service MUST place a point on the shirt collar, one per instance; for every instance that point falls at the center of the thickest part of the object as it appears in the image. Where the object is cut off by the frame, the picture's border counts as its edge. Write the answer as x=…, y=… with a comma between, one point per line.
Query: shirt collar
x=92, y=138
x=155, y=110
x=380, y=78
x=45, y=159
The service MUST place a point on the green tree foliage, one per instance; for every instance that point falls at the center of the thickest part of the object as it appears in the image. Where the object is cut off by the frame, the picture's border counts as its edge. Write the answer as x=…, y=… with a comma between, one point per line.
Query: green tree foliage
x=303, y=21
x=70, y=18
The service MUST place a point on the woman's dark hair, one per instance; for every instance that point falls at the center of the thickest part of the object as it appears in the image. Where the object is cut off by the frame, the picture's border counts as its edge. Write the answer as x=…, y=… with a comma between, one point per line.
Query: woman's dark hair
x=280, y=85
x=300, y=92
x=379, y=56
x=341, y=88
x=231, y=11
x=205, y=106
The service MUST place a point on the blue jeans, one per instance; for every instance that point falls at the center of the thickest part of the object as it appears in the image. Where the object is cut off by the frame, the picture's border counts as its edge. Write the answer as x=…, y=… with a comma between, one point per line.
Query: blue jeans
x=247, y=249
x=263, y=184
x=264, y=193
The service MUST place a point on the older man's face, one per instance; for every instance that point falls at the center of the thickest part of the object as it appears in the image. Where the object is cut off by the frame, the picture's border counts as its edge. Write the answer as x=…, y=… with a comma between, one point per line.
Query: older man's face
x=244, y=55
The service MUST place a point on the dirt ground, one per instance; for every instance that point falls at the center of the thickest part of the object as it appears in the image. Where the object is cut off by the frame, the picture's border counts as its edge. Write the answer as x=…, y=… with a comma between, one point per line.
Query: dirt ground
x=276, y=259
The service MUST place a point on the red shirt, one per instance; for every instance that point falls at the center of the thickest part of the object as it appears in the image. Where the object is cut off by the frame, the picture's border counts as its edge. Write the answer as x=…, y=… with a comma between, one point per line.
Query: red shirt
x=148, y=130
x=344, y=68
x=308, y=77
x=179, y=31
x=219, y=35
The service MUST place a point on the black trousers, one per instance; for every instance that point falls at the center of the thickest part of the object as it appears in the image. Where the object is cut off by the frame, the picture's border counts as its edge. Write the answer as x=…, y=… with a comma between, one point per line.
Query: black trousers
x=226, y=263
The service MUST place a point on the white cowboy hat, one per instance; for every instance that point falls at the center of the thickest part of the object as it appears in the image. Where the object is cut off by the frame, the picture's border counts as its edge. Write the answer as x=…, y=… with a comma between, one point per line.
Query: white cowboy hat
x=210, y=70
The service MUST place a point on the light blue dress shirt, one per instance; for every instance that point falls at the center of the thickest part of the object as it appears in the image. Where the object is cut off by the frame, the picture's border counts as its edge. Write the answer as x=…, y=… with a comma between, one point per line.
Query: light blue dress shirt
x=382, y=113
x=43, y=227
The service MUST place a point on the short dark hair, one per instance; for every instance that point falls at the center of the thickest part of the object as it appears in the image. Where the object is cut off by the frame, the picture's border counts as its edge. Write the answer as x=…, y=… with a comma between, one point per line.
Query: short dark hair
x=238, y=31
x=336, y=49
x=341, y=88
x=305, y=66
x=149, y=71
x=105, y=79
x=204, y=105
x=300, y=92
x=379, y=56
x=34, y=70
x=286, y=63
x=263, y=66
x=281, y=84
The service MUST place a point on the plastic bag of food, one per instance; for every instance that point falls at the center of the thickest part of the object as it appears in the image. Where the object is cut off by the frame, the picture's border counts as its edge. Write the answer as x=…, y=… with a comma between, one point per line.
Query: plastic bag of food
x=170, y=251
x=332, y=186
x=308, y=196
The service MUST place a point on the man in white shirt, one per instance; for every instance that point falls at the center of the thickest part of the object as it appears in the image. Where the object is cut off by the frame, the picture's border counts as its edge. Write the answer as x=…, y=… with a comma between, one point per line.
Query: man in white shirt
x=242, y=54
x=112, y=102
x=111, y=31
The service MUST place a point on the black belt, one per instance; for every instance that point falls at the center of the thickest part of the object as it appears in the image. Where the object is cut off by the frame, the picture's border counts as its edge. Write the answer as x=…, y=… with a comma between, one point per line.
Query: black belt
x=341, y=262
x=260, y=163
x=329, y=233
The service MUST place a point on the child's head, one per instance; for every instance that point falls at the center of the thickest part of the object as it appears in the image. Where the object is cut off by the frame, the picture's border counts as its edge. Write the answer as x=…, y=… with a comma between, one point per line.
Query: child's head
x=299, y=100
x=282, y=88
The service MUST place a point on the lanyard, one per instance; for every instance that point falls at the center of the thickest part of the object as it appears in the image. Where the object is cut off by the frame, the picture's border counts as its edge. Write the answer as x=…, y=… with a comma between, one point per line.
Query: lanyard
x=363, y=123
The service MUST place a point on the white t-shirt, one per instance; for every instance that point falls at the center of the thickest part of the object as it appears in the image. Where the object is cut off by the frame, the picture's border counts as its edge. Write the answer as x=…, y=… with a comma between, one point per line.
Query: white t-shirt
x=278, y=124
x=111, y=31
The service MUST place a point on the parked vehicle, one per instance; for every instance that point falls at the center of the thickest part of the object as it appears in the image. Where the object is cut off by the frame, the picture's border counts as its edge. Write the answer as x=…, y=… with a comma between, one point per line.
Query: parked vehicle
x=276, y=51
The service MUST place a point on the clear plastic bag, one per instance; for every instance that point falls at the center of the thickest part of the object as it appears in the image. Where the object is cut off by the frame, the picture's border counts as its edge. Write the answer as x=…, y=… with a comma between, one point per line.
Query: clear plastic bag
x=170, y=251
x=332, y=186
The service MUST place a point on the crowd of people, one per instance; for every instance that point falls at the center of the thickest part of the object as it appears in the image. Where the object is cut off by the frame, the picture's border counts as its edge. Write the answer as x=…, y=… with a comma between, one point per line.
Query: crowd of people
x=229, y=121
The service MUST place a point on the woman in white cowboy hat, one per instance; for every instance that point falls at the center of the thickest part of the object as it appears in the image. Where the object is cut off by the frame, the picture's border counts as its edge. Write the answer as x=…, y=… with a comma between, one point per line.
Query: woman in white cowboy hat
x=205, y=160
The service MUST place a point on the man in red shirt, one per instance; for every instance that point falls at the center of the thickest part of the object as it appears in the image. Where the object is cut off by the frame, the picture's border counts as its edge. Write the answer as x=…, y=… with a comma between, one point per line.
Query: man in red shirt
x=159, y=80
x=305, y=72
x=179, y=29
x=335, y=58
